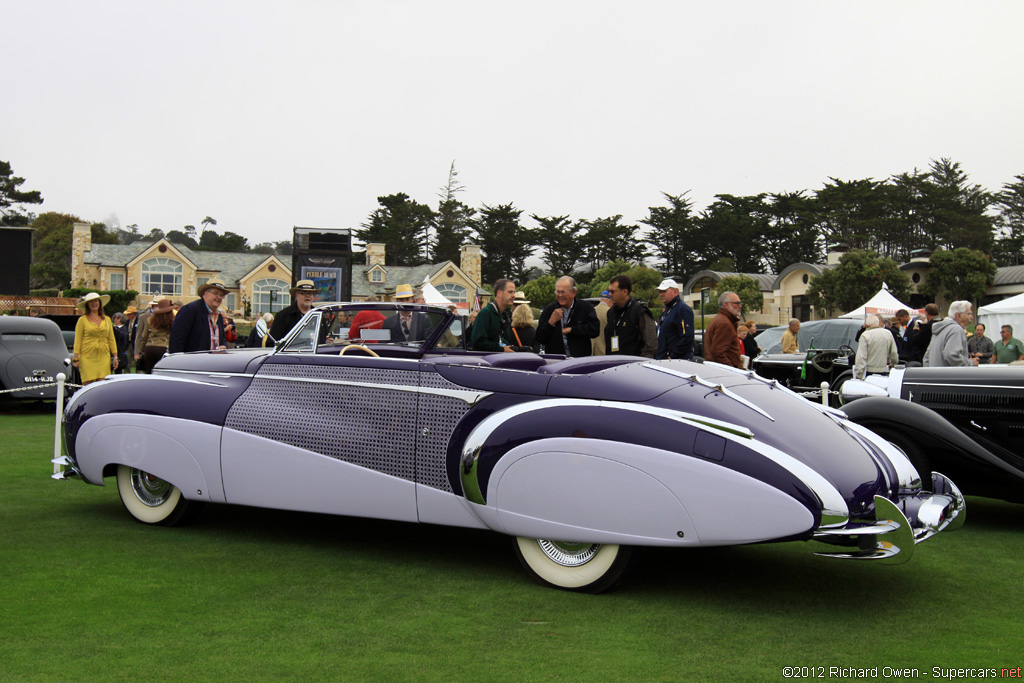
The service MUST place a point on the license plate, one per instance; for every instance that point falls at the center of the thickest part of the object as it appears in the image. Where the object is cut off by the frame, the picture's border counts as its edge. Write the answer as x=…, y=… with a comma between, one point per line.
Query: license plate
x=37, y=380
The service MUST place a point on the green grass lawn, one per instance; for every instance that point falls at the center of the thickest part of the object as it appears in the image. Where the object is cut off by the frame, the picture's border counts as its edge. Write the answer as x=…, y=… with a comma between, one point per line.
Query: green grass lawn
x=246, y=594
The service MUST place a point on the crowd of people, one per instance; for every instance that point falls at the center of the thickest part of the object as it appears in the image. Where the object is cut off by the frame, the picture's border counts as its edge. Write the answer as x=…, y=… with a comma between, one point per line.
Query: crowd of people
x=572, y=326
x=619, y=324
x=106, y=345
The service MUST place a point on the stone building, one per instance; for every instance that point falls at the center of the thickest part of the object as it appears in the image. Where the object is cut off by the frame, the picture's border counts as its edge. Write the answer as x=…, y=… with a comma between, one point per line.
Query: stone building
x=166, y=270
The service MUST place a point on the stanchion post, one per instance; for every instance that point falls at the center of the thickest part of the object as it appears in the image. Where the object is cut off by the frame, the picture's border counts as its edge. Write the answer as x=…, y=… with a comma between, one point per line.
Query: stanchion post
x=824, y=394
x=56, y=426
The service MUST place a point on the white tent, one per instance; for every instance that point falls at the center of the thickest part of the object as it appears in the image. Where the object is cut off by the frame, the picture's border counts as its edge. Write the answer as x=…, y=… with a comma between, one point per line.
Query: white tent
x=1006, y=312
x=432, y=296
x=883, y=304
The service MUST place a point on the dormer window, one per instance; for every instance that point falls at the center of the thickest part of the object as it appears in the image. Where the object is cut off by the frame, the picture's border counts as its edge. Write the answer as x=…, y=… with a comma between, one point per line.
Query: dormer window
x=377, y=275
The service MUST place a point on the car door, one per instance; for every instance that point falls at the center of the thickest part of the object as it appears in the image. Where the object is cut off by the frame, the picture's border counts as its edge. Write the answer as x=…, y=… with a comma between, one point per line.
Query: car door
x=325, y=433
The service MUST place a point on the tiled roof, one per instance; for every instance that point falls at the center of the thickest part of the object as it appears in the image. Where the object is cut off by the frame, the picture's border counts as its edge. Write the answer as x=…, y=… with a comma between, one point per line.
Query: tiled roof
x=231, y=266
x=395, y=275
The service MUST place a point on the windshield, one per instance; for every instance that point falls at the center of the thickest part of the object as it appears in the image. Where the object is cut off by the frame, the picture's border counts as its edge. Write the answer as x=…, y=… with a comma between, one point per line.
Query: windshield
x=824, y=334
x=375, y=326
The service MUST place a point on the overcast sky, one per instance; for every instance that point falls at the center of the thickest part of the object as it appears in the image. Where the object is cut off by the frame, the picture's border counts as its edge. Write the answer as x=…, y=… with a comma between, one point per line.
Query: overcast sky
x=266, y=115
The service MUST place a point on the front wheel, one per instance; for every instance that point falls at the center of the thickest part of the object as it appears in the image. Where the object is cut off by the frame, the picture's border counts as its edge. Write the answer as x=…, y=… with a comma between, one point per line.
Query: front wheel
x=580, y=567
x=152, y=500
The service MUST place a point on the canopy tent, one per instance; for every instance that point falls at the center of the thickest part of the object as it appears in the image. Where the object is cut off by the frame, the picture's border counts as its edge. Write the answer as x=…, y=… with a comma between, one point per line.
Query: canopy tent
x=1006, y=312
x=432, y=296
x=883, y=304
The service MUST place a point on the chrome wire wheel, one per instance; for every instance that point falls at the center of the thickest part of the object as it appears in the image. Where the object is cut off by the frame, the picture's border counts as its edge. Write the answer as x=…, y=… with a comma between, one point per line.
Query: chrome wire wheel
x=569, y=554
x=150, y=490
x=582, y=567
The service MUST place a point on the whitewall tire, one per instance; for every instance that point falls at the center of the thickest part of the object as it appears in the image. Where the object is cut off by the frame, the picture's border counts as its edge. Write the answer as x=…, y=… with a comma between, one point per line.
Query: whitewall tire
x=152, y=500
x=582, y=567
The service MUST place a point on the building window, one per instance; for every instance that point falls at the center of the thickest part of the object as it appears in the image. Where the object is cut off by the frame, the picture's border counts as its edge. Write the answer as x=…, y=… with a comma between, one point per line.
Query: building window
x=161, y=275
x=705, y=281
x=377, y=275
x=200, y=281
x=270, y=296
x=229, y=301
x=116, y=281
x=453, y=292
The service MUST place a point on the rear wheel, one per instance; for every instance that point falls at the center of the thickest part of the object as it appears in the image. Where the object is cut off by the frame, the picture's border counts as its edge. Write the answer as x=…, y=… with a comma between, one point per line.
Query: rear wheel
x=152, y=500
x=918, y=458
x=580, y=567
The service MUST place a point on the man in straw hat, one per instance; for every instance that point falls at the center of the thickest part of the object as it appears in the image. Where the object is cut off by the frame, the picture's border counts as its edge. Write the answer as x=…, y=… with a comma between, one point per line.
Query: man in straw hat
x=199, y=326
x=406, y=325
x=303, y=295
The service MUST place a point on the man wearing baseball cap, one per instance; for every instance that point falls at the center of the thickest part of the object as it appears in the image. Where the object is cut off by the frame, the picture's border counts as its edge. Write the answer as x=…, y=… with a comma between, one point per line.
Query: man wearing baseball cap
x=303, y=295
x=675, y=326
x=199, y=326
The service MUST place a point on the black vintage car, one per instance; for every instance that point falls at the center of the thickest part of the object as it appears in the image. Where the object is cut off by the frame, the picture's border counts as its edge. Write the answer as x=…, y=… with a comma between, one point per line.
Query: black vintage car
x=827, y=350
x=967, y=423
x=32, y=353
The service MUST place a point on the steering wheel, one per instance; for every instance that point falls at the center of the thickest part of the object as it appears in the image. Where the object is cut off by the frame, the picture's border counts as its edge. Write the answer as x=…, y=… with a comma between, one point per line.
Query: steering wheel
x=360, y=347
x=823, y=360
x=846, y=350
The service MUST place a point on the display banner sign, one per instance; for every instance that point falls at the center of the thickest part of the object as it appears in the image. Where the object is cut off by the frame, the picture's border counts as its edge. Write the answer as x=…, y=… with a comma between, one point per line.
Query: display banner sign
x=328, y=274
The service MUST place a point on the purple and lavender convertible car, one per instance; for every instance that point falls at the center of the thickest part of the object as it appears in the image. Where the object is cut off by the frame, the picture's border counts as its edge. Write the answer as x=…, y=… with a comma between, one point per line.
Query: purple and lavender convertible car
x=579, y=460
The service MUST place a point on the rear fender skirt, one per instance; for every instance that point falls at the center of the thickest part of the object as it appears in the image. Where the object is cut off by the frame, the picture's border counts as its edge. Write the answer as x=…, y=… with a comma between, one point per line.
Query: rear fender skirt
x=182, y=452
x=591, y=491
x=931, y=429
x=724, y=445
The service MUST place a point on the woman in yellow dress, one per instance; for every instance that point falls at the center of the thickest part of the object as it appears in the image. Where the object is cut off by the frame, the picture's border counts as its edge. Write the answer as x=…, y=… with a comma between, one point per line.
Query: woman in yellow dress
x=95, y=346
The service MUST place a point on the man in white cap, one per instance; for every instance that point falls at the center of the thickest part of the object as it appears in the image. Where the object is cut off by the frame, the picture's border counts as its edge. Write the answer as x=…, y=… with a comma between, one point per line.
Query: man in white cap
x=303, y=295
x=675, y=326
x=199, y=326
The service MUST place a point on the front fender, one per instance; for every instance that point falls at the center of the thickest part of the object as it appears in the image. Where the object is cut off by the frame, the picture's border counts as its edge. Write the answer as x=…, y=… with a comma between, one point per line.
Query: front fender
x=182, y=452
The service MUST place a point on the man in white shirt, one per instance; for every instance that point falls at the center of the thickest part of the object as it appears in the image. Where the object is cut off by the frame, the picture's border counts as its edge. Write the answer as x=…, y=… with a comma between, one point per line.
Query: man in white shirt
x=876, y=350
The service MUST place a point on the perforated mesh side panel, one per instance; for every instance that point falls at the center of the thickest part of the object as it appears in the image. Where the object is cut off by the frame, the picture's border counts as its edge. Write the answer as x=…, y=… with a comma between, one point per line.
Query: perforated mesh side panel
x=438, y=416
x=379, y=429
x=372, y=428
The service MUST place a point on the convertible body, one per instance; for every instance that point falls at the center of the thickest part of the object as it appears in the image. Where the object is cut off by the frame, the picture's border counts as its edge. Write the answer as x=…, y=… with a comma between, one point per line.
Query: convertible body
x=579, y=459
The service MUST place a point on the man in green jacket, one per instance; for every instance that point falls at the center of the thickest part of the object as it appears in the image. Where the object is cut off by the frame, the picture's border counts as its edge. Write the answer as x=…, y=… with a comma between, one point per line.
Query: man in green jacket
x=490, y=331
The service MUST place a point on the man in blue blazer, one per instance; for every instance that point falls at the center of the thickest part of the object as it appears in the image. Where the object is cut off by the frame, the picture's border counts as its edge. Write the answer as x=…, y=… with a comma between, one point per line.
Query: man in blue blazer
x=199, y=326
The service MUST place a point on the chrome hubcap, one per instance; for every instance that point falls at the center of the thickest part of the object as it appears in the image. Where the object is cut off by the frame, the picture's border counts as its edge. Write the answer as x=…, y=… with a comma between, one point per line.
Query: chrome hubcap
x=150, y=490
x=569, y=554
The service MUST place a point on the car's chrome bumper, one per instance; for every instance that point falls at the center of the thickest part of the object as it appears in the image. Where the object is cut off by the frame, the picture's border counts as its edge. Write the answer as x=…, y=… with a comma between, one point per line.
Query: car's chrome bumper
x=900, y=525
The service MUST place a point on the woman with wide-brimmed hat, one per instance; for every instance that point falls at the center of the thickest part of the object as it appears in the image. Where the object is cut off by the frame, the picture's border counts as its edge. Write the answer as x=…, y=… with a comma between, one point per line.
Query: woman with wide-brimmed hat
x=156, y=334
x=95, y=353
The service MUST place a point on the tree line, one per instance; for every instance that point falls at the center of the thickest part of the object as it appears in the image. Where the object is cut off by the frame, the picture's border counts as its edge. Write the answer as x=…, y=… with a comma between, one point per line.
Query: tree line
x=936, y=209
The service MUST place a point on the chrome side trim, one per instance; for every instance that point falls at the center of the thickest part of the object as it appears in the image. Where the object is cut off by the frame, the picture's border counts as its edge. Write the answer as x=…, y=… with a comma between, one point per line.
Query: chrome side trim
x=697, y=379
x=468, y=396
